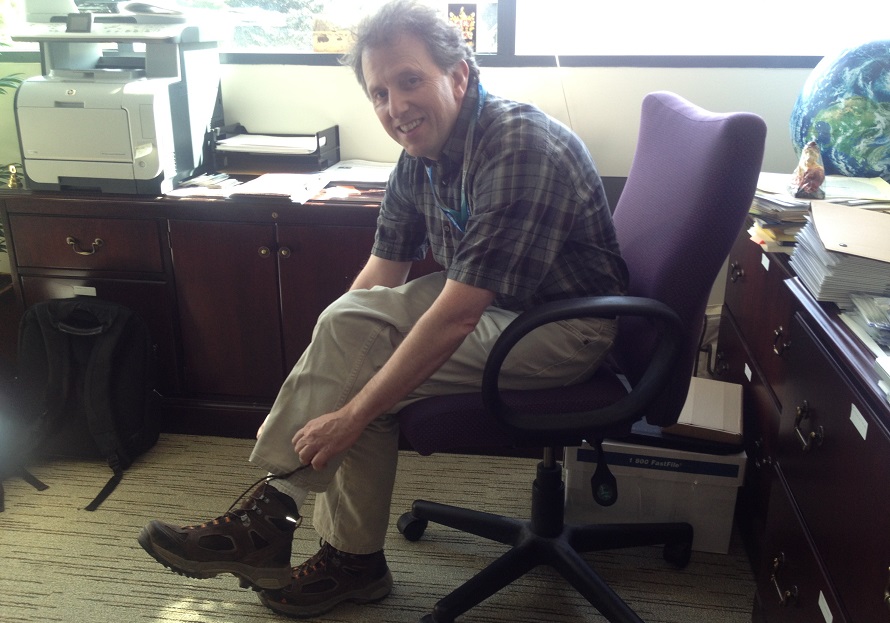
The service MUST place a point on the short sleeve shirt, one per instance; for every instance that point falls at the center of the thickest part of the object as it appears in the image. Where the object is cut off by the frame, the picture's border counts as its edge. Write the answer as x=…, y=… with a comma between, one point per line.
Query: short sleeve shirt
x=539, y=228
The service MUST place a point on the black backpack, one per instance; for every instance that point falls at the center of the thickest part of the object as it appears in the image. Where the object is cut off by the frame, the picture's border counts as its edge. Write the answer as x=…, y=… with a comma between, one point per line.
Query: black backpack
x=84, y=388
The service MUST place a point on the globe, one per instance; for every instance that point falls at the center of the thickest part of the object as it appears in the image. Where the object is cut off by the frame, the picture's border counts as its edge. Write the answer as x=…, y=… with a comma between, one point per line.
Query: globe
x=845, y=107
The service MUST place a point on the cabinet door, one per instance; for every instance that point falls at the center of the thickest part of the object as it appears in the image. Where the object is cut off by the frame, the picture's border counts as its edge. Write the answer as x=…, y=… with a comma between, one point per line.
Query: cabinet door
x=836, y=458
x=151, y=300
x=761, y=306
x=760, y=427
x=791, y=583
x=227, y=291
x=317, y=265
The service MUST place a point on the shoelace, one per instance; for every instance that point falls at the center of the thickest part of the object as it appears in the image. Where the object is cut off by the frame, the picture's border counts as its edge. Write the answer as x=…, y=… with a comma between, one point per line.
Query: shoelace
x=317, y=562
x=268, y=478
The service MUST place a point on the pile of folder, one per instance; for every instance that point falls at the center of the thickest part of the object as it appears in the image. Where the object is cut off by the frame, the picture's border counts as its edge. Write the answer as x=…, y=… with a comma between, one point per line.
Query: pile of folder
x=842, y=250
x=778, y=215
x=777, y=219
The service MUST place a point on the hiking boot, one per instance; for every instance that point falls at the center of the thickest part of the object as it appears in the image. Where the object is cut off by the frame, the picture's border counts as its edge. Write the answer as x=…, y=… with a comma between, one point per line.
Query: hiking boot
x=252, y=542
x=329, y=578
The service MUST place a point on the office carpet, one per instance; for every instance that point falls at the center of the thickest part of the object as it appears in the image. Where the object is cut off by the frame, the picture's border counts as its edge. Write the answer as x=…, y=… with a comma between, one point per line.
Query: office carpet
x=61, y=563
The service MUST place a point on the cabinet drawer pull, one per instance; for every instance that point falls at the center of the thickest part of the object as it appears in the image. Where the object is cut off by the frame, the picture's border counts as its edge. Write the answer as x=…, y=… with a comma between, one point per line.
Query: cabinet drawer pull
x=786, y=596
x=779, y=347
x=887, y=593
x=761, y=458
x=264, y=252
x=75, y=245
x=736, y=272
x=807, y=440
x=284, y=252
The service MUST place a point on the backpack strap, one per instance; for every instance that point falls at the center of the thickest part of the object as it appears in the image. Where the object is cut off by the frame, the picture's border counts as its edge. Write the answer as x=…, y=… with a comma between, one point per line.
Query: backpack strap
x=59, y=374
x=106, y=322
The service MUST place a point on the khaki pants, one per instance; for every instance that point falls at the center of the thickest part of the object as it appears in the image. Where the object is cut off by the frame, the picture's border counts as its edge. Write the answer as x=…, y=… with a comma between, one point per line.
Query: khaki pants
x=353, y=338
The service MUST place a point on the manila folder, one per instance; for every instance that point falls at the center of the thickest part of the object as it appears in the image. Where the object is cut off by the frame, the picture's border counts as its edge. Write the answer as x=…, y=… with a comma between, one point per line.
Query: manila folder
x=848, y=229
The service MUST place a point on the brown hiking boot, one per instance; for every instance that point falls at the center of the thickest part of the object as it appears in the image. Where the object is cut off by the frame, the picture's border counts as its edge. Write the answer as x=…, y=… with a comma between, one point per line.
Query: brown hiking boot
x=329, y=578
x=252, y=542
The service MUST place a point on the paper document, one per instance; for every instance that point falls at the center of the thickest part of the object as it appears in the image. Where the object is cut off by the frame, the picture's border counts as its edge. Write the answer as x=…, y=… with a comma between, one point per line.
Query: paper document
x=835, y=186
x=296, y=187
x=271, y=144
x=849, y=230
x=359, y=171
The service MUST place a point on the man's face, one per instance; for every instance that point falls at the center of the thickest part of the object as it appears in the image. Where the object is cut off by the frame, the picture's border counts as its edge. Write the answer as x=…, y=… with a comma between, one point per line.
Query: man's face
x=416, y=101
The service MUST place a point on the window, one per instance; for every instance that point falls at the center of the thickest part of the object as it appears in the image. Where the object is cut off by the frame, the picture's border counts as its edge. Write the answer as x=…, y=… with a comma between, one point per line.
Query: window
x=694, y=27
x=323, y=26
x=530, y=32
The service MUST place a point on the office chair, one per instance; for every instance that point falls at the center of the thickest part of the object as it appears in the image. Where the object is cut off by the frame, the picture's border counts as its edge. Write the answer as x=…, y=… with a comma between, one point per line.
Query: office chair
x=687, y=193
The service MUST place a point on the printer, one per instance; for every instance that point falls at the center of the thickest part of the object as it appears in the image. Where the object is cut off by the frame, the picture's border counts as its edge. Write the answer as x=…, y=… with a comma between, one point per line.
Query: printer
x=124, y=104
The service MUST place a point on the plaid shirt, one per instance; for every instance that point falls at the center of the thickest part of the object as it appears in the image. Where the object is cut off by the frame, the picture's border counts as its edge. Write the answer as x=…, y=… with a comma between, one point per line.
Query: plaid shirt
x=539, y=228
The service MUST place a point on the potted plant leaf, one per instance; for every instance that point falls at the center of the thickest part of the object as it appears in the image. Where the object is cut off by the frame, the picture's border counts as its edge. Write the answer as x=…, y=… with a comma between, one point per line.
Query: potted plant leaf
x=10, y=82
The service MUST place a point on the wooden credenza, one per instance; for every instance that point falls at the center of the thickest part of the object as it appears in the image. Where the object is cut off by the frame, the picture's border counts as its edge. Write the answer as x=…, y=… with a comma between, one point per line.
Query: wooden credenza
x=814, y=510
x=231, y=291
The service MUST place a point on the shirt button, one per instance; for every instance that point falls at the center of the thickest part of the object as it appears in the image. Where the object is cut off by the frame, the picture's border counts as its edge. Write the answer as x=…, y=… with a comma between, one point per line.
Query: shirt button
x=447, y=229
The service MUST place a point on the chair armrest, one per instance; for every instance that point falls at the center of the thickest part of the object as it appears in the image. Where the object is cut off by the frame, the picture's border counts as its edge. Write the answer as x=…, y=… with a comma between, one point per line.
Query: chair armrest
x=630, y=408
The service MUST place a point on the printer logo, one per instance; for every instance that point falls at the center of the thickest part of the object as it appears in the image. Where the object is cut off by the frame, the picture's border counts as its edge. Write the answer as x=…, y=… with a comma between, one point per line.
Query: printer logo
x=71, y=92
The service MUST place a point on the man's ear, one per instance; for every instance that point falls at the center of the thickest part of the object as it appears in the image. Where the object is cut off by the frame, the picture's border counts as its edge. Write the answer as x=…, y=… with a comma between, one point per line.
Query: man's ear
x=460, y=76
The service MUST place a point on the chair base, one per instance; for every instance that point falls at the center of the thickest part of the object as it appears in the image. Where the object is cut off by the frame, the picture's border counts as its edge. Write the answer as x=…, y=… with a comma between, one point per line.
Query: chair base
x=543, y=540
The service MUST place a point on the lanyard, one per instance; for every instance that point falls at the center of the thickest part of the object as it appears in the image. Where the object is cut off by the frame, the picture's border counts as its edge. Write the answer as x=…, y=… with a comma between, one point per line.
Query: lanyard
x=459, y=218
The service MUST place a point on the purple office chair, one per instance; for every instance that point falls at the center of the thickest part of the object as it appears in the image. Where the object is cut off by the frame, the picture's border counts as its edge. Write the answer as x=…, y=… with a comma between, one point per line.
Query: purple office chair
x=689, y=188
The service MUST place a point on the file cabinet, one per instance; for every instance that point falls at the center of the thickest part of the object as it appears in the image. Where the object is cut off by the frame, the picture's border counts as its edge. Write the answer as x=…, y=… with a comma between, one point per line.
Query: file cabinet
x=813, y=508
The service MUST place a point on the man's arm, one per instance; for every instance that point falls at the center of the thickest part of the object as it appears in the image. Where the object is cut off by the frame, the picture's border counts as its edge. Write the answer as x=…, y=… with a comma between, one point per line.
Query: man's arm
x=432, y=341
x=380, y=272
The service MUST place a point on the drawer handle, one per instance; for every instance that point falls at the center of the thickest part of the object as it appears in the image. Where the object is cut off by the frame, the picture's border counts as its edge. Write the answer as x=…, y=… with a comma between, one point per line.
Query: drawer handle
x=807, y=440
x=75, y=245
x=284, y=252
x=779, y=347
x=736, y=272
x=264, y=252
x=887, y=593
x=761, y=458
x=786, y=596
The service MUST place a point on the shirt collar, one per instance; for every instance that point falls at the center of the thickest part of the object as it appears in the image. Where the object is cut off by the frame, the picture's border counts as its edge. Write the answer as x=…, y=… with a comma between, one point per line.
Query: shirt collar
x=452, y=155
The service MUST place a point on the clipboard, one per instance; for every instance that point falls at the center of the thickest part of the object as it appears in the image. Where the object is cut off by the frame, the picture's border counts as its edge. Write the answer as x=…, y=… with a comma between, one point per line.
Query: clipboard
x=852, y=230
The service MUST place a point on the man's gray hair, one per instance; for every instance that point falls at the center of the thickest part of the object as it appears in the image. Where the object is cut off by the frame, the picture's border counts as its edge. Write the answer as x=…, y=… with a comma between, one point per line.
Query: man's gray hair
x=443, y=40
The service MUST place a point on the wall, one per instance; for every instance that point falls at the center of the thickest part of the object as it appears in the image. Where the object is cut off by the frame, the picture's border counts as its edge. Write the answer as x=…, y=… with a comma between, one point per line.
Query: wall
x=603, y=103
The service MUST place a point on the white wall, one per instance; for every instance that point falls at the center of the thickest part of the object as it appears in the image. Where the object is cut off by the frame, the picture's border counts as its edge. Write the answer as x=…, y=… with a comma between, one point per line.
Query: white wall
x=603, y=103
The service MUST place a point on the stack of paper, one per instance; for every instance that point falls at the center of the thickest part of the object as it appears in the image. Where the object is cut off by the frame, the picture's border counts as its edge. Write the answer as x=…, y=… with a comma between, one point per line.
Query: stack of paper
x=779, y=215
x=271, y=144
x=841, y=250
x=359, y=171
x=283, y=187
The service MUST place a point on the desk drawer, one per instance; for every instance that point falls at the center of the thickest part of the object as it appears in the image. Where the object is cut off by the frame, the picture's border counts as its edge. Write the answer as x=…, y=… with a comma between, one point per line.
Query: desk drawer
x=87, y=243
x=791, y=581
x=836, y=460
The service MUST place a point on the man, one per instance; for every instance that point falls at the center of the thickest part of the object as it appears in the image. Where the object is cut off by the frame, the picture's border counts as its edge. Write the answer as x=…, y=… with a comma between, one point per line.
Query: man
x=510, y=204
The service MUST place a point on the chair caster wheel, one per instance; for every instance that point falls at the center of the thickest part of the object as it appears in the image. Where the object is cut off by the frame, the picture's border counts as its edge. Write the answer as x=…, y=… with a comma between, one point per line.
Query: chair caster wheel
x=411, y=527
x=678, y=554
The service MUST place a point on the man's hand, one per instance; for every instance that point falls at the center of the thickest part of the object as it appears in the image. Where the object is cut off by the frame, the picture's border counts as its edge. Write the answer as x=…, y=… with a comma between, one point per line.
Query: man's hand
x=429, y=344
x=325, y=437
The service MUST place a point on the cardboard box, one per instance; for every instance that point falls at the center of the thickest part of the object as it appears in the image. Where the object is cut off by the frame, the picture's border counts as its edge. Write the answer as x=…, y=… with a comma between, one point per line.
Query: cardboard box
x=713, y=411
x=659, y=484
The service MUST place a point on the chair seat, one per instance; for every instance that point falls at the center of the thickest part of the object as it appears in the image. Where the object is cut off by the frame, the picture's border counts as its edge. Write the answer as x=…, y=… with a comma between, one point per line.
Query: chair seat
x=461, y=420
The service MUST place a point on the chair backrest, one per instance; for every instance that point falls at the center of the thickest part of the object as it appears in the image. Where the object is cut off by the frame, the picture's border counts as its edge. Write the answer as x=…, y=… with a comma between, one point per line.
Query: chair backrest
x=689, y=188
